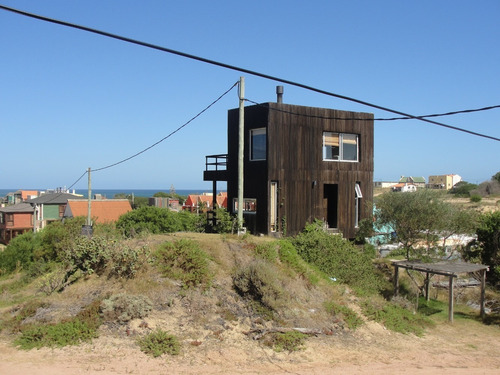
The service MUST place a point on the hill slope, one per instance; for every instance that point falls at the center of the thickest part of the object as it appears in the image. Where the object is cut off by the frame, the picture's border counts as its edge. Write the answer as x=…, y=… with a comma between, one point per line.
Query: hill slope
x=221, y=331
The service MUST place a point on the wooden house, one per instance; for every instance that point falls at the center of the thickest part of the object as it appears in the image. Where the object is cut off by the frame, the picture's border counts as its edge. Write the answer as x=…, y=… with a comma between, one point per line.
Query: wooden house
x=300, y=164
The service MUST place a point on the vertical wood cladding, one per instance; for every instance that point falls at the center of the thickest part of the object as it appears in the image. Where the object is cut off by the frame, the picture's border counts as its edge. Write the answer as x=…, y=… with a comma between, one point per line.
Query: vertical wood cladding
x=295, y=161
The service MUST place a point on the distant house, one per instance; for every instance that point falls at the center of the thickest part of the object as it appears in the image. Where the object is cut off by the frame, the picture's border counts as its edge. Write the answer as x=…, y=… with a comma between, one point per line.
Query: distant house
x=24, y=195
x=170, y=203
x=15, y=220
x=101, y=210
x=50, y=207
x=404, y=187
x=419, y=182
x=384, y=184
x=204, y=202
x=446, y=182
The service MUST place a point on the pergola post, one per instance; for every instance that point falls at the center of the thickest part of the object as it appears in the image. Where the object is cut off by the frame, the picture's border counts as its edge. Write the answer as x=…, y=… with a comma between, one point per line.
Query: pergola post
x=427, y=286
x=396, y=280
x=483, y=287
x=450, y=301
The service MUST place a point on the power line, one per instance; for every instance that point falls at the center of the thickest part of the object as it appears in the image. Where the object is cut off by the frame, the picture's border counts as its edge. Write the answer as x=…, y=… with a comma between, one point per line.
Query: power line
x=239, y=69
x=169, y=135
x=161, y=140
x=375, y=119
x=442, y=114
x=79, y=178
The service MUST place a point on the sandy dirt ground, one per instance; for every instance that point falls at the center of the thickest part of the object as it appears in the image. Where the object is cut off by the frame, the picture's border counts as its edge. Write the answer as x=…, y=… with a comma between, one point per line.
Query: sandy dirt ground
x=463, y=347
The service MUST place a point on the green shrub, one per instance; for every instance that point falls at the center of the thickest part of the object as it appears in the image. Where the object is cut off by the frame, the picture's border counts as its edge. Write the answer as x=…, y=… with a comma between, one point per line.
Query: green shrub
x=290, y=341
x=337, y=258
x=19, y=252
x=157, y=220
x=259, y=282
x=350, y=317
x=225, y=223
x=394, y=317
x=267, y=251
x=52, y=281
x=123, y=307
x=476, y=198
x=57, y=335
x=288, y=255
x=184, y=260
x=89, y=255
x=126, y=261
x=158, y=343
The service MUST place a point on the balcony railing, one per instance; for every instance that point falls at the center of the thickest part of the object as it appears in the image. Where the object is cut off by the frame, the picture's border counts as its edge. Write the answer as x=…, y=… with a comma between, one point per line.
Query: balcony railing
x=215, y=168
x=216, y=162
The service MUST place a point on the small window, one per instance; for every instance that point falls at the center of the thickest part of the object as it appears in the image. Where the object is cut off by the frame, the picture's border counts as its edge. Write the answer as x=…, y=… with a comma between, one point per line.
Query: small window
x=340, y=147
x=249, y=205
x=357, y=204
x=258, y=144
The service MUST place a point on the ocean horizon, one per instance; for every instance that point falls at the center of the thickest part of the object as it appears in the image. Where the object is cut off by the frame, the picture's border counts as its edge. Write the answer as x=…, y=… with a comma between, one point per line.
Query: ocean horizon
x=110, y=193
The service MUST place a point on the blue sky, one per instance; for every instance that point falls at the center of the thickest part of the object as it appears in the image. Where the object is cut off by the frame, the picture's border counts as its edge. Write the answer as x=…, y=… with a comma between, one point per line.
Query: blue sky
x=70, y=100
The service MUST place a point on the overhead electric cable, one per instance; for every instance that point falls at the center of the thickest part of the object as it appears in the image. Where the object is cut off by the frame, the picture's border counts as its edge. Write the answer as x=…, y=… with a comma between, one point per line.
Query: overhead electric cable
x=79, y=178
x=375, y=119
x=169, y=135
x=242, y=70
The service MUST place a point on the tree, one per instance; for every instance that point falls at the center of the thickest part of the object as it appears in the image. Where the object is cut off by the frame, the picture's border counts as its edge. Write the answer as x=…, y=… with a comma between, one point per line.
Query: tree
x=463, y=189
x=420, y=219
x=496, y=177
x=487, y=249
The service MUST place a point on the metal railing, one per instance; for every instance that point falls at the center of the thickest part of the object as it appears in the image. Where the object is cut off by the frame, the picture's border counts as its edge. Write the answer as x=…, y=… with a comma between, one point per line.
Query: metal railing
x=216, y=162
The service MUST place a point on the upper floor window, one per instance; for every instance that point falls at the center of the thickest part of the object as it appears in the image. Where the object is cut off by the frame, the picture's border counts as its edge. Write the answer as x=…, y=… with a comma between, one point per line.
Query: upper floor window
x=340, y=146
x=258, y=144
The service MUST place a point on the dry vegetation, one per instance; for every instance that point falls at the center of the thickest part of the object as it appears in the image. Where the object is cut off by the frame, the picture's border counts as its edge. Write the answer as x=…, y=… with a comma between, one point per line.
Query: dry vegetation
x=221, y=331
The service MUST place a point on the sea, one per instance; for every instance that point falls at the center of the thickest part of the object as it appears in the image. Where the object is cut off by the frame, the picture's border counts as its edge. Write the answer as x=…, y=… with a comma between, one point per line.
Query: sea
x=110, y=193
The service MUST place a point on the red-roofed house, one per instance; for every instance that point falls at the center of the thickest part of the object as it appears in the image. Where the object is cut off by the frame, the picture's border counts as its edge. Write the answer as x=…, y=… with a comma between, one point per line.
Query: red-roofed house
x=15, y=220
x=195, y=202
x=102, y=211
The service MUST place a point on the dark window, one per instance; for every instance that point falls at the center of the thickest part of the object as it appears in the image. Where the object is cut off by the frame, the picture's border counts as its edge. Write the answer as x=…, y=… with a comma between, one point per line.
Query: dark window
x=258, y=144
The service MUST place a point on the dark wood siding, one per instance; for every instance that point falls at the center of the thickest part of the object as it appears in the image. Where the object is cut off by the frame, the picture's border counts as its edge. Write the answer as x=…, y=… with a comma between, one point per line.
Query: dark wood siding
x=295, y=161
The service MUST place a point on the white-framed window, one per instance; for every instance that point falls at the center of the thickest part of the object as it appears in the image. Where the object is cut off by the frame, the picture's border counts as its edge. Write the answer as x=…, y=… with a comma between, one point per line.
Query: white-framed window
x=273, y=206
x=357, y=204
x=340, y=147
x=249, y=205
x=258, y=140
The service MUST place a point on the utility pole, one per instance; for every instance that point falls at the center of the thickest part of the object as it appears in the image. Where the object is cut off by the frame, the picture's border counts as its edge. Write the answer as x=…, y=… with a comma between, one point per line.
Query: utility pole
x=241, y=141
x=87, y=229
x=89, y=221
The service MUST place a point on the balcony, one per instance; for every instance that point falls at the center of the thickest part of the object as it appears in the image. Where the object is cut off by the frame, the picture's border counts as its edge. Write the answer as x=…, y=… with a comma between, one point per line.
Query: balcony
x=215, y=168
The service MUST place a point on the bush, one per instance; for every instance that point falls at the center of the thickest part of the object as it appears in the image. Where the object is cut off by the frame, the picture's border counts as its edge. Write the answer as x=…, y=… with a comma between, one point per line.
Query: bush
x=290, y=341
x=476, y=198
x=159, y=342
x=185, y=261
x=337, y=258
x=267, y=251
x=126, y=261
x=157, y=220
x=89, y=255
x=56, y=335
x=288, y=255
x=123, y=307
x=347, y=315
x=225, y=223
x=19, y=252
x=394, y=317
x=259, y=282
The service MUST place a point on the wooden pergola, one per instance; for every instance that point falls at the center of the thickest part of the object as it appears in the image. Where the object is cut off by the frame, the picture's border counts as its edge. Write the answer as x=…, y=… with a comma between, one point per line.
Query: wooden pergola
x=444, y=268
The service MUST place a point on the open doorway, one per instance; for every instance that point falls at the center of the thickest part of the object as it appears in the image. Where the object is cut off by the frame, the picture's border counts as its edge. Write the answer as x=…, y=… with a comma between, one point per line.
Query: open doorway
x=331, y=198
